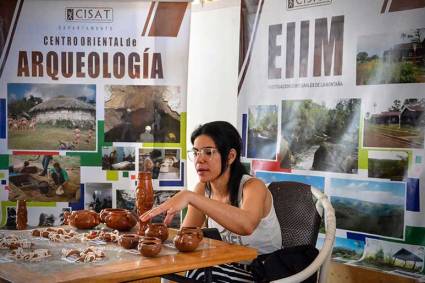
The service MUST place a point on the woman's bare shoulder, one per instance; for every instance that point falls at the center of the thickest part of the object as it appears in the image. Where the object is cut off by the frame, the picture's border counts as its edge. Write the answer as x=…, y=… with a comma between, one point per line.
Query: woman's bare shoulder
x=255, y=182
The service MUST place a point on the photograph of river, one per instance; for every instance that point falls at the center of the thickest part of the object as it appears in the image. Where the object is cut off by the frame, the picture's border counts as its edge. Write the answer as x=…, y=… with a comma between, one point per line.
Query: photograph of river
x=262, y=132
x=320, y=134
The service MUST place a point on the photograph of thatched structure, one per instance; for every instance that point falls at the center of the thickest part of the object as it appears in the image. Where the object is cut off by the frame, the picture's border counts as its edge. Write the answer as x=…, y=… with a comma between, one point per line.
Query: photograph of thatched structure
x=51, y=117
x=75, y=112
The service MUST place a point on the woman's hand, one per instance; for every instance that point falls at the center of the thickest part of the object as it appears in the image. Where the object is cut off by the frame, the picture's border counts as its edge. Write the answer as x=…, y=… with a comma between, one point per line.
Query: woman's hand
x=170, y=207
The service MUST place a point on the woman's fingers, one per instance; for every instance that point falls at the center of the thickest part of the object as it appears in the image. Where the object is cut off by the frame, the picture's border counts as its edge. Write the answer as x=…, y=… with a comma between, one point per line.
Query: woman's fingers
x=169, y=217
x=151, y=213
x=170, y=206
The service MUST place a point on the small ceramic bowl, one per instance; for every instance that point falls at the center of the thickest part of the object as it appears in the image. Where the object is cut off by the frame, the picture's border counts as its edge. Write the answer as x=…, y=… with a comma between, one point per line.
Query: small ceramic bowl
x=129, y=241
x=149, y=246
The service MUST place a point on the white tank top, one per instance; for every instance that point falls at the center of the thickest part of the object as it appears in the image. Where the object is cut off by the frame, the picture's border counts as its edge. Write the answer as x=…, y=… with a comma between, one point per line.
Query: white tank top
x=266, y=238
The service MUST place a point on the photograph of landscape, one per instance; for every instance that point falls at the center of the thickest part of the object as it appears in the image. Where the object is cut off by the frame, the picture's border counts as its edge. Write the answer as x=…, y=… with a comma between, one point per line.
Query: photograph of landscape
x=393, y=58
x=345, y=250
x=370, y=207
x=320, y=134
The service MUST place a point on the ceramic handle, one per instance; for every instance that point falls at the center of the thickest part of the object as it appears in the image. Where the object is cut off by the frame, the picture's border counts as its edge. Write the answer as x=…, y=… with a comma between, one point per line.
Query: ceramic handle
x=97, y=218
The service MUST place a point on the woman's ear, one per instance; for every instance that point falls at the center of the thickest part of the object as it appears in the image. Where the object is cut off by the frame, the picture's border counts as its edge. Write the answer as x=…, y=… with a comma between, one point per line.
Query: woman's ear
x=231, y=156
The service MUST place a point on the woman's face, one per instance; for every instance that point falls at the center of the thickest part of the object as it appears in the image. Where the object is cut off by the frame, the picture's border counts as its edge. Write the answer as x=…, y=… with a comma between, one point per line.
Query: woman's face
x=207, y=167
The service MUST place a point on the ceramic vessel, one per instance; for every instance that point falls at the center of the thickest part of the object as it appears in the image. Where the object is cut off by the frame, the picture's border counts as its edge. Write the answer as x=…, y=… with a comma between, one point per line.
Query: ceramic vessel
x=118, y=219
x=103, y=213
x=144, y=197
x=157, y=230
x=83, y=219
x=188, y=239
x=129, y=241
x=21, y=215
x=149, y=246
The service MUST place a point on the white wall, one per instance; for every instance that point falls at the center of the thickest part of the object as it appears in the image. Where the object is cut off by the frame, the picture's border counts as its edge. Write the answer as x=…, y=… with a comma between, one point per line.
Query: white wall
x=213, y=67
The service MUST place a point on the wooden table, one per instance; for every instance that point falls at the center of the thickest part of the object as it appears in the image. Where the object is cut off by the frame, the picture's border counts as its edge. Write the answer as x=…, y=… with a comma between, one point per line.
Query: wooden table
x=127, y=267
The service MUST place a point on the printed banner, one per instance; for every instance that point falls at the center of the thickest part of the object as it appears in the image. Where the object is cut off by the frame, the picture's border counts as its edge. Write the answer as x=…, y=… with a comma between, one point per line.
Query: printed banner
x=90, y=94
x=331, y=94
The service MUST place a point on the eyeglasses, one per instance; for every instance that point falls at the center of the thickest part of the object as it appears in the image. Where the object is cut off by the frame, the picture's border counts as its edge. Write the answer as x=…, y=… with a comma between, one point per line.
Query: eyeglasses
x=207, y=153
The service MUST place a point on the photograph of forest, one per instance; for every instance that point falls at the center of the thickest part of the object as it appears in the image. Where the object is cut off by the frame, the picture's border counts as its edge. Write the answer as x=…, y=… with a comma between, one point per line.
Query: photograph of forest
x=320, y=135
x=391, y=165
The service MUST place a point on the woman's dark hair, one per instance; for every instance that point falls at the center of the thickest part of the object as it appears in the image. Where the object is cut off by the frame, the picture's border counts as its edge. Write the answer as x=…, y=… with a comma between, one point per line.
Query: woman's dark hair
x=225, y=137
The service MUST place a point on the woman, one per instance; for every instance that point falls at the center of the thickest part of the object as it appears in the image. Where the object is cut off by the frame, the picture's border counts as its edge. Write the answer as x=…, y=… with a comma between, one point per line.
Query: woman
x=238, y=205
x=60, y=177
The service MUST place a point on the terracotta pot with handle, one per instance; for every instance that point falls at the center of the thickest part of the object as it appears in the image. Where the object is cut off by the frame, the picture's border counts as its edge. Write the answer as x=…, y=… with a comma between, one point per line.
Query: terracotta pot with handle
x=158, y=230
x=119, y=219
x=83, y=219
x=188, y=239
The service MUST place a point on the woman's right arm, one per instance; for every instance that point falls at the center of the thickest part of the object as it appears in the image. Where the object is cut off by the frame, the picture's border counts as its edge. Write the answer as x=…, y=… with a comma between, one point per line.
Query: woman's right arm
x=194, y=217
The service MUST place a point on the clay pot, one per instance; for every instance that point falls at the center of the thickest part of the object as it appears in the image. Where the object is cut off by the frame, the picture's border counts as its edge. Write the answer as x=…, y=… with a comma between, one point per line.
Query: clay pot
x=103, y=213
x=188, y=238
x=149, y=246
x=157, y=230
x=119, y=219
x=83, y=219
x=129, y=241
x=21, y=215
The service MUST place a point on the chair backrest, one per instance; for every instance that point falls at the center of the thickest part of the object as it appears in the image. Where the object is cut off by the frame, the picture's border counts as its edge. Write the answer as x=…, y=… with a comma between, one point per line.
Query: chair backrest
x=321, y=262
x=297, y=214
